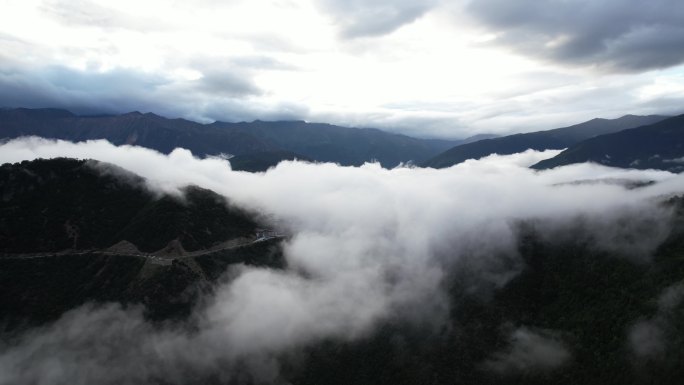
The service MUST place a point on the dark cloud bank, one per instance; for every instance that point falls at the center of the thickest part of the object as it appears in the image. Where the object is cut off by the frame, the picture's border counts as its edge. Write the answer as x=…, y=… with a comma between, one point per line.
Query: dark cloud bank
x=614, y=35
x=224, y=92
x=369, y=245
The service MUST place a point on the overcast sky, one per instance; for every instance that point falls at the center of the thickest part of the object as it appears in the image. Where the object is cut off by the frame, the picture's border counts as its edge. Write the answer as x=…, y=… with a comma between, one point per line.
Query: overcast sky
x=429, y=68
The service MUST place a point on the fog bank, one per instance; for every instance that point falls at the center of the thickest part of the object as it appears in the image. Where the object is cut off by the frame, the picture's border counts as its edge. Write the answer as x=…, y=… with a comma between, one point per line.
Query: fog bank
x=368, y=245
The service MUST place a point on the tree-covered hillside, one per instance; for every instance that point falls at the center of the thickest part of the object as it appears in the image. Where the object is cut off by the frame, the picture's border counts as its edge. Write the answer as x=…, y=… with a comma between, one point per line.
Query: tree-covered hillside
x=58, y=204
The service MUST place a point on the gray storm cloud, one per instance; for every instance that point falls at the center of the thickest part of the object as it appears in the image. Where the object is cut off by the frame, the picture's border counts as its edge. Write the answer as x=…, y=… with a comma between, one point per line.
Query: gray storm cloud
x=223, y=91
x=368, y=245
x=615, y=35
x=358, y=18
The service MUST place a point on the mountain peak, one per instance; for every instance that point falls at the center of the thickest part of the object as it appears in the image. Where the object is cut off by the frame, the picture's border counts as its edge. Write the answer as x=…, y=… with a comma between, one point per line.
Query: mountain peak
x=555, y=139
x=655, y=146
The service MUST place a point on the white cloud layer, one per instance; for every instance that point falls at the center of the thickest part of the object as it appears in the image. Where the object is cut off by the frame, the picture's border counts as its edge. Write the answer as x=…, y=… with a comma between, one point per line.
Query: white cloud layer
x=368, y=245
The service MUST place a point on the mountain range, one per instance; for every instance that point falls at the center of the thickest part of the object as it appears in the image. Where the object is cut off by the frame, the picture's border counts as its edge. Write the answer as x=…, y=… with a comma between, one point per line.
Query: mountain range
x=657, y=146
x=555, y=139
x=255, y=145
x=630, y=141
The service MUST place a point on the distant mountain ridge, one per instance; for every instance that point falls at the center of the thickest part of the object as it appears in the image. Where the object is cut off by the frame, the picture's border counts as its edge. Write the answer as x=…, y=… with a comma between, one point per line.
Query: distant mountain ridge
x=146, y=130
x=555, y=139
x=275, y=140
x=656, y=146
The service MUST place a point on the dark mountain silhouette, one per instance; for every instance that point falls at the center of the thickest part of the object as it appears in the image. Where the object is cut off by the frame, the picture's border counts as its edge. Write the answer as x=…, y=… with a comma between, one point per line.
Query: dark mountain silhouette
x=555, y=139
x=261, y=161
x=146, y=130
x=656, y=146
x=343, y=145
x=76, y=231
x=262, y=141
x=58, y=204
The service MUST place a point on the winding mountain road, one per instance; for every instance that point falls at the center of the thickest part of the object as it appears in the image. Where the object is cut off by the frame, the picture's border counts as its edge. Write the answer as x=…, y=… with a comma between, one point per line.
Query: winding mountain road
x=154, y=257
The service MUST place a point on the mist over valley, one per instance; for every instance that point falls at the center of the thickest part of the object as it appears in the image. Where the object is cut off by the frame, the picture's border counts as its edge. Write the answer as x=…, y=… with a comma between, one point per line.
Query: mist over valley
x=505, y=272
x=322, y=192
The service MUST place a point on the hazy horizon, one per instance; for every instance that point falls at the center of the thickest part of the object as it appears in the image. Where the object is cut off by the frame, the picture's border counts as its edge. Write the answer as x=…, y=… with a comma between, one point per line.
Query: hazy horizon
x=430, y=68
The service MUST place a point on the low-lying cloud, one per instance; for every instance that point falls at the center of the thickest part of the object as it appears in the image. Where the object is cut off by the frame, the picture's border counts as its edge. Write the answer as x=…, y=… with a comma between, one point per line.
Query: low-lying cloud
x=648, y=338
x=368, y=245
x=530, y=350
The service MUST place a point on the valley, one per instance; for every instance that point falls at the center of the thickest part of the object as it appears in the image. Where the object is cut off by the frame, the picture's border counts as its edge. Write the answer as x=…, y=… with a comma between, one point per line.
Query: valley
x=329, y=192
x=578, y=289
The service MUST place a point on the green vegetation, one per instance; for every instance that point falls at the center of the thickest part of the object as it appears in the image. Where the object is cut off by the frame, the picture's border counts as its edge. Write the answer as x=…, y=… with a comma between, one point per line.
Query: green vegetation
x=37, y=291
x=58, y=204
x=588, y=298
x=591, y=299
x=67, y=204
